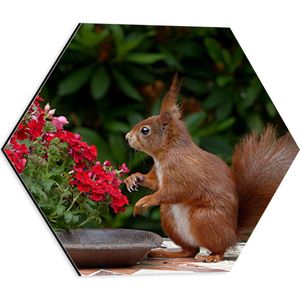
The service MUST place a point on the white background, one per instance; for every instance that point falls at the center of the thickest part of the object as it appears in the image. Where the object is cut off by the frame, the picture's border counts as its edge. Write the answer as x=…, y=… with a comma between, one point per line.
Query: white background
x=32, y=34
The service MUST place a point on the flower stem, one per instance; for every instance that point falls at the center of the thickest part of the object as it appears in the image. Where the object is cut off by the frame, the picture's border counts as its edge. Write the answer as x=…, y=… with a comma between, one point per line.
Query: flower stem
x=48, y=163
x=84, y=222
x=74, y=200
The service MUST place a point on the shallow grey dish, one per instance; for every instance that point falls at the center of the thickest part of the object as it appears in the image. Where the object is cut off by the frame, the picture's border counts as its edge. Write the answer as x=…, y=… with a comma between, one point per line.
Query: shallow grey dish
x=108, y=247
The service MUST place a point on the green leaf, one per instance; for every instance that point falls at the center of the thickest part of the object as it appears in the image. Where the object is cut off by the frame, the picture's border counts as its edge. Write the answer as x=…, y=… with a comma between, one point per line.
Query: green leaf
x=100, y=83
x=237, y=59
x=144, y=58
x=188, y=49
x=199, y=87
x=119, y=219
x=88, y=135
x=155, y=110
x=132, y=42
x=86, y=28
x=155, y=214
x=87, y=37
x=47, y=184
x=118, y=34
x=75, y=219
x=214, y=49
x=60, y=209
x=38, y=193
x=93, y=138
x=134, y=118
x=194, y=120
x=250, y=95
x=123, y=110
x=126, y=86
x=226, y=58
x=136, y=159
x=74, y=81
x=26, y=142
x=217, y=145
x=118, y=147
x=215, y=128
x=255, y=122
x=139, y=74
x=68, y=216
x=223, y=80
x=224, y=110
x=271, y=109
x=170, y=59
x=117, y=126
x=215, y=99
x=206, y=31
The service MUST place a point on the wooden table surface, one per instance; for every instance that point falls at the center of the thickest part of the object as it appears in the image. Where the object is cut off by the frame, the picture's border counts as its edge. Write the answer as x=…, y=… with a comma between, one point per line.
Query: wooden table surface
x=157, y=266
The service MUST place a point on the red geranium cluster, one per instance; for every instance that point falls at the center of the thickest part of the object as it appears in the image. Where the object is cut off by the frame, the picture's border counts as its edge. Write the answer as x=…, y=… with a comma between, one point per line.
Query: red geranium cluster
x=79, y=150
x=101, y=180
x=16, y=154
x=98, y=181
x=30, y=128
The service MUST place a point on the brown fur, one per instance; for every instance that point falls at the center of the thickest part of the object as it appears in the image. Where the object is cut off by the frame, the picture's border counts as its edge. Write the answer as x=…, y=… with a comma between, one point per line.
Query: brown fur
x=259, y=165
x=203, y=185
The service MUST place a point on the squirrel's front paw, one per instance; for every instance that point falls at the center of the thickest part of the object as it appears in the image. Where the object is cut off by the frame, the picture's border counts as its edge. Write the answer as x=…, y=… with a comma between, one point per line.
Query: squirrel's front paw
x=144, y=203
x=133, y=181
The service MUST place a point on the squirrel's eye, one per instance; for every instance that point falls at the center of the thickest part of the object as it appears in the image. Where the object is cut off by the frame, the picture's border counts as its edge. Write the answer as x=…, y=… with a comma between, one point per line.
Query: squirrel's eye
x=145, y=130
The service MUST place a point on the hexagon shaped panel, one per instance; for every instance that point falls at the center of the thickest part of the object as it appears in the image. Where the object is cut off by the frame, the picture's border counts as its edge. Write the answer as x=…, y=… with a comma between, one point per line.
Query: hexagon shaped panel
x=151, y=149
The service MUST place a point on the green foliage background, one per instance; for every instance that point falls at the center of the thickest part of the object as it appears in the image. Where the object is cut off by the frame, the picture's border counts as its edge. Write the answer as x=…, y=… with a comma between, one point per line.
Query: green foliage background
x=111, y=77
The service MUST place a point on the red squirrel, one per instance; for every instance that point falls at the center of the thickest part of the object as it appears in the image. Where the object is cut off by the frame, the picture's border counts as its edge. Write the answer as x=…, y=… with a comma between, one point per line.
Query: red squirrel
x=204, y=202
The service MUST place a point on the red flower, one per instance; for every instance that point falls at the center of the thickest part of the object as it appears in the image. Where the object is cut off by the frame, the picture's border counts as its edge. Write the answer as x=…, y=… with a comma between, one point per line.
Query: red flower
x=118, y=203
x=78, y=149
x=97, y=169
x=17, y=160
x=80, y=166
x=19, y=148
x=49, y=136
x=97, y=197
x=83, y=188
x=35, y=129
x=16, y=154
x=38, y=98
x=21, y=132
x=90, y=153
x=98, y=182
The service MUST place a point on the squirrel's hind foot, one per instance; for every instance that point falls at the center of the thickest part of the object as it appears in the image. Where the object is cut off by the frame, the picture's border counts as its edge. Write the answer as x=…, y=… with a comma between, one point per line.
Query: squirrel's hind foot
x=163, y=253
x=209, y=258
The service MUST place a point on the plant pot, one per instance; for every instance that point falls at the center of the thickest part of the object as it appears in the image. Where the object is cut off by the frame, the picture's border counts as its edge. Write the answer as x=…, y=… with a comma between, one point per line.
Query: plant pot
x=90, y=248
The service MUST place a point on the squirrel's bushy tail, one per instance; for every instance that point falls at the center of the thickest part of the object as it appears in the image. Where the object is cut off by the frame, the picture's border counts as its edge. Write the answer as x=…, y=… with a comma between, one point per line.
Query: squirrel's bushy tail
x=259, y=164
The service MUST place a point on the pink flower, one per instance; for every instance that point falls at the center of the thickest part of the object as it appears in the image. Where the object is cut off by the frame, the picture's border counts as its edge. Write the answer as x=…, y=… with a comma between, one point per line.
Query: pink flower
x=107, y=163
x=124, y=168
x=59, y=122
x=47, y=108
x=51, y=112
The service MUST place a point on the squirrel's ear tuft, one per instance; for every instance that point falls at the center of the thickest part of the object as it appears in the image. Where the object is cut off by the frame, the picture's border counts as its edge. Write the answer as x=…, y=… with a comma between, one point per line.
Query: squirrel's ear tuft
x=170, y=99
x=165, y=118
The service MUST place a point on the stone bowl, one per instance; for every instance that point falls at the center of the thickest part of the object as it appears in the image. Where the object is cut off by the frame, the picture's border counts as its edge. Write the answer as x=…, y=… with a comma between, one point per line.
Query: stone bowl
x=93, y=248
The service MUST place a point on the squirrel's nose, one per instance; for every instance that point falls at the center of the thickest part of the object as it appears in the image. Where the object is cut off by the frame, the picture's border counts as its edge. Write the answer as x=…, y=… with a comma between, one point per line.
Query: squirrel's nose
x=127, y=136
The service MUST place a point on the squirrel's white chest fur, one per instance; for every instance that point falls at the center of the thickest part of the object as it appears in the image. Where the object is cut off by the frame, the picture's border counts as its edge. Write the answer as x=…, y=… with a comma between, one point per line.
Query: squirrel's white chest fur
x=159, y=173
x=181, y=217
x=180, y=213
